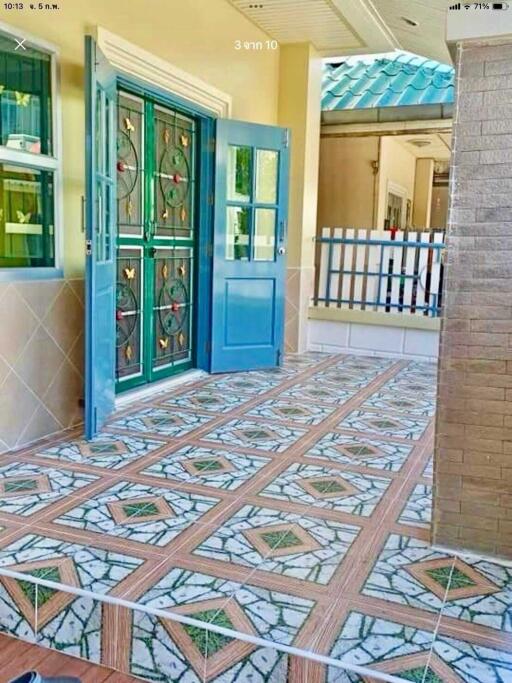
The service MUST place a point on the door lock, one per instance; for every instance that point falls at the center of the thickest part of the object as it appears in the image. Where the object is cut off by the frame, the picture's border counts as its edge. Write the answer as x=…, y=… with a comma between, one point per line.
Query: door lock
x=152, y=252
x=281, y=251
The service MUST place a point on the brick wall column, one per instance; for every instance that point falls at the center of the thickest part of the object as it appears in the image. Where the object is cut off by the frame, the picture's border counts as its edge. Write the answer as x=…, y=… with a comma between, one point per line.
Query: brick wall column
x=473, y=454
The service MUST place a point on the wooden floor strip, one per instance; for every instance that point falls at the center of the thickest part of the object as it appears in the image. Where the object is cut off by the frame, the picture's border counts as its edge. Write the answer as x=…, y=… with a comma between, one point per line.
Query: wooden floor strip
x=17, y=657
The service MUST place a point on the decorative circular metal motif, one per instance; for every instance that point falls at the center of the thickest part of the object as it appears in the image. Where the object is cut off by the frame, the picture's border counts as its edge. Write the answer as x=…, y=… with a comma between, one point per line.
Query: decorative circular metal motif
x=125, y=325
x=174, y=177
x=173, y=307
x=127, y=165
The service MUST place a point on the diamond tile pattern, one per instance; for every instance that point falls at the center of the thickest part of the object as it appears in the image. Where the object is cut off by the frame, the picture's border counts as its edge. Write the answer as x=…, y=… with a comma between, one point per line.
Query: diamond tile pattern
x=42, y=328
x=242, y=513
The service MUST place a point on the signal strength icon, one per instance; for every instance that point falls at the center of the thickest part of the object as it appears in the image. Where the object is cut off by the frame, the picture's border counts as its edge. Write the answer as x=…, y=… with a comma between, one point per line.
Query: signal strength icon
x=457, y=6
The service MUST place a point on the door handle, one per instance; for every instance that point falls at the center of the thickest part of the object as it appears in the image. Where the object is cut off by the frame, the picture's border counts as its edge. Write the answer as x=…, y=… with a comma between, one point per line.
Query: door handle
x=281, y=251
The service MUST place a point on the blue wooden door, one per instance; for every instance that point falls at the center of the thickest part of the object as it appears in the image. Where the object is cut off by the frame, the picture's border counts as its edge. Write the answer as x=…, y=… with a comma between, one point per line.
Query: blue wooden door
x=249, y=258
x=100, y=239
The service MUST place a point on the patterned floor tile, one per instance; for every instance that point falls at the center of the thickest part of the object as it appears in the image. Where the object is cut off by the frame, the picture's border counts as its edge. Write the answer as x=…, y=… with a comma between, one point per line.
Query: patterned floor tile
x=251, y=383
x=417, y=510
x=398, y=426
x=291, y=545
x=75, y=630
x=268, y=614
x=342, y=378
x=390, y=579
x=215, y=467
x=366, y=364
x=166, y=651
x=56, y=618
x=414, y=654
x=67, y=562
x=352, y=450
x=328, y=488
x=410, y=384
x=313, y=391
x=291, y=411
x=174, y=423
x=409, y=572
x=208, y=398
x=249, y=434
x=414, y=406
x=428, y=472
x=423, y=368
x=305, y=361
x=138, y=513
x=26, y=489
x=107, y=450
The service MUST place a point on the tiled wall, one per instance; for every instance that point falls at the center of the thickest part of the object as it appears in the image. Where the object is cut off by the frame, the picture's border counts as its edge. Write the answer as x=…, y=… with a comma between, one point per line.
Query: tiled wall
x=41, y=359
x=473, y=470
x=299, y=290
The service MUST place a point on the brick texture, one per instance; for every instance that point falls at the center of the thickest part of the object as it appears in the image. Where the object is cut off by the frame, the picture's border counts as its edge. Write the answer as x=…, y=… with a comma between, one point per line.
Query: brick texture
x=473, y=463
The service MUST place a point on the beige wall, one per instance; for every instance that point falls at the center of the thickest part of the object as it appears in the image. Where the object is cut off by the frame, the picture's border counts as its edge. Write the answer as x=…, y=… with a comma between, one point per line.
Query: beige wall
x=196, y=35
x=299, y=110
x=347, y=181
x=398, y=166
x=422, y=193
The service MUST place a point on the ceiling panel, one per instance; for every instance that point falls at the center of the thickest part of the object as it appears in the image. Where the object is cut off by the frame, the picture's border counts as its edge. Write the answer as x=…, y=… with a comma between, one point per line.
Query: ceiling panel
x=428, y=37
x=297, y=21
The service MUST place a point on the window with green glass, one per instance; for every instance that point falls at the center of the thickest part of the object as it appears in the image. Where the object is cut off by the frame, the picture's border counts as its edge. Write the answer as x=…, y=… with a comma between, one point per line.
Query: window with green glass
x=28, y=162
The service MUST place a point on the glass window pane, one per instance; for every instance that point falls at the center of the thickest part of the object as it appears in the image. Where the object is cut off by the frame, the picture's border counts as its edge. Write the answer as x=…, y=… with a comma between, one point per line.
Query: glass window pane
x=237, y=233
x=264, y=234
x=266, y=176
x=239, y=174
x=25, y=98
x=26, y=217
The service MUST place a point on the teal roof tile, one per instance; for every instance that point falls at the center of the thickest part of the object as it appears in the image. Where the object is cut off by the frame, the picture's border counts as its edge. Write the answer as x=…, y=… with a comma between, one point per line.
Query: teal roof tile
x=388, y=80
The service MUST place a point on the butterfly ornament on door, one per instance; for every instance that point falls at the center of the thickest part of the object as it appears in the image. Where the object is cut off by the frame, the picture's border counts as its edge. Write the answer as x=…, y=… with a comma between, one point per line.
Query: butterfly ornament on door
x=23, y=217
x=129, y=125
x=164, y=343
x=129, y=273
x=22, y=98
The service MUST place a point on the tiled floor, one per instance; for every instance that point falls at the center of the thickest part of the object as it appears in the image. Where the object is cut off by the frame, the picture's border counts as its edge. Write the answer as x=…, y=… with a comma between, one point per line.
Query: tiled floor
x=290, y=507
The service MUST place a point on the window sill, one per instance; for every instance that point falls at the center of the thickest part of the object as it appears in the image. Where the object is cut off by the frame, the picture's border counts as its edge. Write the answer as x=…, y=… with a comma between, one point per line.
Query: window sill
x=17, y=274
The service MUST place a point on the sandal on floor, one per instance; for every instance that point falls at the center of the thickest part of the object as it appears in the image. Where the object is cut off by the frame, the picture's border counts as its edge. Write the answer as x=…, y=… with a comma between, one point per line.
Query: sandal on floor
x=34, y=677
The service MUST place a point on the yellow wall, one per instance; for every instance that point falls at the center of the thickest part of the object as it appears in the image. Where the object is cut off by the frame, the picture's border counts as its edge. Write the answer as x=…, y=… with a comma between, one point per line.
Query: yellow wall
x=423, y=193
x=347, y=180
x=195, y=35
x=299, y=109
x=398, y=166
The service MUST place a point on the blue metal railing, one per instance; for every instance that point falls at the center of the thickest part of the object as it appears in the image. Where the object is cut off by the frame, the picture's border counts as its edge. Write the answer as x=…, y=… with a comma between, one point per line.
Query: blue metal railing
x=393, y=278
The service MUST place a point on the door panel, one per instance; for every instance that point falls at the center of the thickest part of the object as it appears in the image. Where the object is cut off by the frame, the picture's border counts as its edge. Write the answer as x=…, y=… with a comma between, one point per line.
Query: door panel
x=157, y=216
x=100, y=236
x=251, y=204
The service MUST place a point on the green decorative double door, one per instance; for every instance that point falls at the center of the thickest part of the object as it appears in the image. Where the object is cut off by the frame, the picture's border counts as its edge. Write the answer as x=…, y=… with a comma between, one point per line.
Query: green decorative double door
x=156, y=214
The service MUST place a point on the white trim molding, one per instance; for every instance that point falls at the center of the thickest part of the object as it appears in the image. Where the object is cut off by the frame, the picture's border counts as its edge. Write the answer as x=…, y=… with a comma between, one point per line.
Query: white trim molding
x=131, y=60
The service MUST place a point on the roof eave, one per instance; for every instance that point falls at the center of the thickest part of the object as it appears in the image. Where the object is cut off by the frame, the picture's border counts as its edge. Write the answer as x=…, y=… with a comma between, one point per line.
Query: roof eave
x=410, y=112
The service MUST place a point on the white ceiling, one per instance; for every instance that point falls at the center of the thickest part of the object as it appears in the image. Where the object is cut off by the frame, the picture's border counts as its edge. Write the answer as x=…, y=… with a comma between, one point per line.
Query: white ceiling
x=439, y=146
x=342, y=27
x=297, y=21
